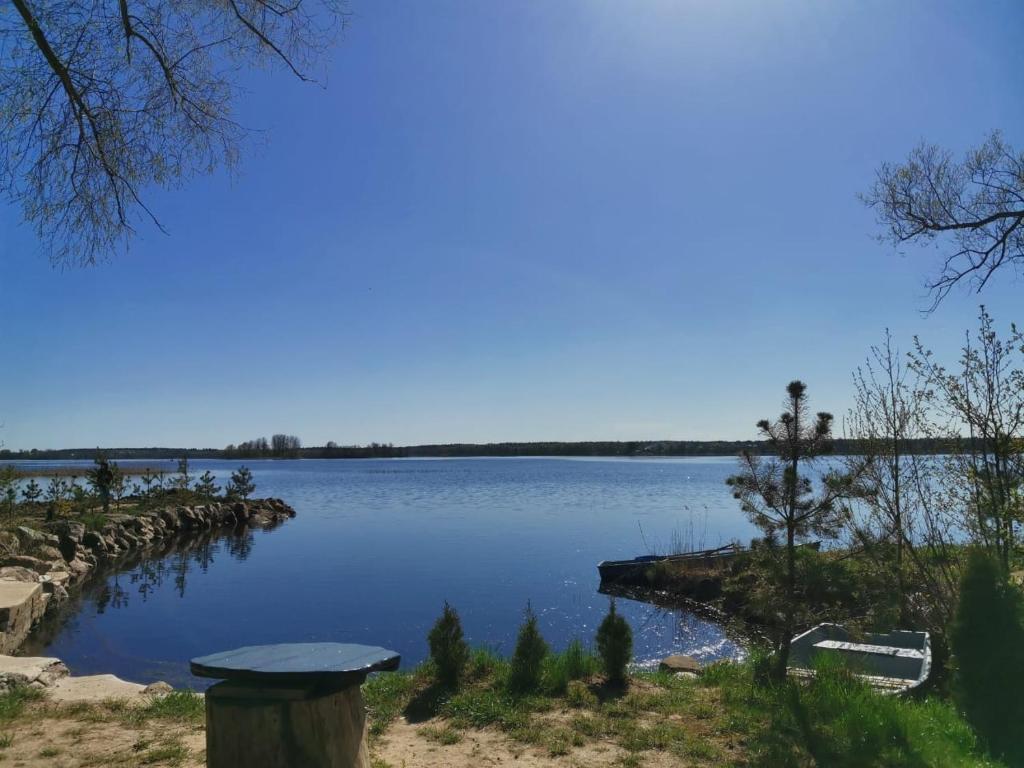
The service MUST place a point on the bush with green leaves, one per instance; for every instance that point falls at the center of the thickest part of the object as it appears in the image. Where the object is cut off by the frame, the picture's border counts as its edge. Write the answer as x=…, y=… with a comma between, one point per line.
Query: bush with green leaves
x=448, y=649
x=572, y=664
x=614, y=645
x=528, y=657
x=988, y=646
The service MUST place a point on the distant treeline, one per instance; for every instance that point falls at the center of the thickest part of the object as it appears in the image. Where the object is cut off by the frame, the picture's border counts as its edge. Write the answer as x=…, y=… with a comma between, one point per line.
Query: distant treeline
x=288, y=446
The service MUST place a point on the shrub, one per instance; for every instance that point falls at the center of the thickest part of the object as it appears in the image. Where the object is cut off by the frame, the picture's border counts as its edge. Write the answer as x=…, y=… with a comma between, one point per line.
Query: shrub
x=579, y=696
x=207, y=486
x=528, y=658
x=987, y=638
x=560, y=669
x=614, y=645
x=241, y=484
x=448, y=650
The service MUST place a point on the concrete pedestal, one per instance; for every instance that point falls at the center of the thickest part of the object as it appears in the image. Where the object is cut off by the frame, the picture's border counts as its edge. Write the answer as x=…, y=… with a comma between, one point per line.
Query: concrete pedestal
x=259, y=726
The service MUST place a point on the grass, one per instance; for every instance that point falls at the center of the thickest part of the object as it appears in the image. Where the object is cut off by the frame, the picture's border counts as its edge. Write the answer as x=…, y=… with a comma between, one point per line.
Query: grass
x=837, y=720
x=13, y=701
x=726, y=717
x=444, y=735
x=173, y=753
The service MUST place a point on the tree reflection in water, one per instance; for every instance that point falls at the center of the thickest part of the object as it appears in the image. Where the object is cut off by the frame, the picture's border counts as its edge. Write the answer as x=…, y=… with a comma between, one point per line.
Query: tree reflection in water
x=146, y=572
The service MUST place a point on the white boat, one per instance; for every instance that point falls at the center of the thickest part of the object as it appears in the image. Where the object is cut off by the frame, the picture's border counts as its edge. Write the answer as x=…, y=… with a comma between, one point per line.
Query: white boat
x=893, y=662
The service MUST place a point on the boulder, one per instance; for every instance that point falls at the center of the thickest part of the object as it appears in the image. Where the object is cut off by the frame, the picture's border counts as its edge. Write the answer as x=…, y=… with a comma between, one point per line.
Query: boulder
x=241, y=510
x=67, y=529
x=25, y=561
x=19, y=573
x=159, y=688
x=30, y=538
x=680, y=663
x=9, y=543
x=46, y=552
x=39, y=672
x=94, y=541
x=79, y=568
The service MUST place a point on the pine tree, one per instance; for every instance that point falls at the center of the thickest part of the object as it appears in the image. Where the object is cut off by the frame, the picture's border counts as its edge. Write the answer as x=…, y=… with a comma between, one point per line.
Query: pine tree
x=184, y=480
x=207, y=486
x=31, y=492
x=241, y=485
x=101, y=478
x=780, y=500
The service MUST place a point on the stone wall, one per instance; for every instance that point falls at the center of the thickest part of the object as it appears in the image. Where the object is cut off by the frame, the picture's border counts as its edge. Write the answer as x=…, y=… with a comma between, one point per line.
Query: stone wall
x=39, y=565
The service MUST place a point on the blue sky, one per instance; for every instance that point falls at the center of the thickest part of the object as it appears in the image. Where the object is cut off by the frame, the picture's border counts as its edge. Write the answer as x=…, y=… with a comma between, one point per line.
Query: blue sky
x=526, y=221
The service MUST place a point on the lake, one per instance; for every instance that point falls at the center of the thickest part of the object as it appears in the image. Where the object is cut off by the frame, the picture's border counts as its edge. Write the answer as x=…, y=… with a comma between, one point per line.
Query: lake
x=377, y=547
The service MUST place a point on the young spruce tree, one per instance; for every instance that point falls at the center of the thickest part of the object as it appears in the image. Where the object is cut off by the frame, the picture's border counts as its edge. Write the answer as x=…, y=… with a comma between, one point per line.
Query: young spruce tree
x=780, y=500
x=528, y=657
x=987, y=637
x=448, y=649
x=615, y=645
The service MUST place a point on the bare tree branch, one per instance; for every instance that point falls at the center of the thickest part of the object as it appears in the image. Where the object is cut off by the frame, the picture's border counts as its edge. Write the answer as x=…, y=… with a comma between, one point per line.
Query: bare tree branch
x=974, y=207
x=87, y=125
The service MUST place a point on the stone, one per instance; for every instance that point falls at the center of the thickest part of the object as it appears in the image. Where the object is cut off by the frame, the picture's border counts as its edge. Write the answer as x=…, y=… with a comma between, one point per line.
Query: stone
x=680, y=663
x=9, y=543
x=57, y=578
x=26, y=561
x=22, y=604
x=94, y=541
x=20, y=573
x=67, y=529
x=46, y=552
x=95, y=688
x=159, y=688
x=29, y=537
x=30, y=670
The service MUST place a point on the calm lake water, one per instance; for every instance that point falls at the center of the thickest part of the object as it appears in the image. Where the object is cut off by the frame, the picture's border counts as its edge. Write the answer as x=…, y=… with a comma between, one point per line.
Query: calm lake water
x=379, y=545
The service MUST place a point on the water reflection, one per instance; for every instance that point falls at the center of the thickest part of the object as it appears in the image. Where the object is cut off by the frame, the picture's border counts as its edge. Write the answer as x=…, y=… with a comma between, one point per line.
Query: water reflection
x=143, y=574
x=697, y=629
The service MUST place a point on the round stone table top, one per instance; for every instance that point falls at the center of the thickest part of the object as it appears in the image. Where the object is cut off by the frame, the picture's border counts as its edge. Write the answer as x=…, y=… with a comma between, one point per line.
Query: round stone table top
x=297, y=663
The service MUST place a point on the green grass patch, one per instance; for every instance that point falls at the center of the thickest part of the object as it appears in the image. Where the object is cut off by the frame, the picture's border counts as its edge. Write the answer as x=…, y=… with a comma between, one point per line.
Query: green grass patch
x=172, y=753
x=13, y=701
x=444, y=735
x=182, y=706
x=386, y=695
x=837, y=720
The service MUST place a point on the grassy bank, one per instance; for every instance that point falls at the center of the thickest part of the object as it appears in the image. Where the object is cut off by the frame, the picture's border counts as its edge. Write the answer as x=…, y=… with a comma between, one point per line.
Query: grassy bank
x=728, y=716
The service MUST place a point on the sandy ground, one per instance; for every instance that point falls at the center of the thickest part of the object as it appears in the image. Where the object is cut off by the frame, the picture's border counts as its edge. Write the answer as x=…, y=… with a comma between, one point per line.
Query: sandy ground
x=55, y=737
x=404, y=746
x=38, y=740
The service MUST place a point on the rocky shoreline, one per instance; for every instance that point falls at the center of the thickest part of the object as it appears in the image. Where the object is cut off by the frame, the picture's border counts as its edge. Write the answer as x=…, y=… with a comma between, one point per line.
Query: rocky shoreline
x=38, y=566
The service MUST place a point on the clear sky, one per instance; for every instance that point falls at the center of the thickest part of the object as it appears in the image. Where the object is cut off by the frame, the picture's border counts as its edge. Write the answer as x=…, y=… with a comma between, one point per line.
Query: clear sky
x=526, y=221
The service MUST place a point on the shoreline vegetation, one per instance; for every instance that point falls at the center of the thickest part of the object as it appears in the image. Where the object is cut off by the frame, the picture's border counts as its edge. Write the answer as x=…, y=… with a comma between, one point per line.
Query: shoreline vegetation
x=263, y=449
x=52, y=540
